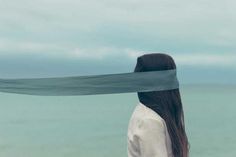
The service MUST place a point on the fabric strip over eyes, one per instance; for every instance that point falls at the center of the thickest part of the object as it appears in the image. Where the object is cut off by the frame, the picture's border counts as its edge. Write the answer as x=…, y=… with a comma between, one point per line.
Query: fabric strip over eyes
x=93, y=84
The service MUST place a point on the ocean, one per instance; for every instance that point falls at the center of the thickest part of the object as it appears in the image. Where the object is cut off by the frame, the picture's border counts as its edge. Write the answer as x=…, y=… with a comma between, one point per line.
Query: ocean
x=96, y=125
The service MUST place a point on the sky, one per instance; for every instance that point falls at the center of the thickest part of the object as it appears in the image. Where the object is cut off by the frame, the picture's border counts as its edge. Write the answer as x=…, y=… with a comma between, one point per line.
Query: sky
x=43, y=38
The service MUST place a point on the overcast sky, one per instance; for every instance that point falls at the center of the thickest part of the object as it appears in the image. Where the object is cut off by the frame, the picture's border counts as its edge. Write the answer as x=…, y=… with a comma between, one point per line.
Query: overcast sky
x=69, y=37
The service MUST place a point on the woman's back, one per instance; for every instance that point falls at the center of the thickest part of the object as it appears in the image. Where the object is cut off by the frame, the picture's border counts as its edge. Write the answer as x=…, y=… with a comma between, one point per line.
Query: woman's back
x=147, y=134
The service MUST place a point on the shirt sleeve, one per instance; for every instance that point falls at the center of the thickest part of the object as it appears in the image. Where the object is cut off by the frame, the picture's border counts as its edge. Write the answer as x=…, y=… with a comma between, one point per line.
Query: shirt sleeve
x=151, y=138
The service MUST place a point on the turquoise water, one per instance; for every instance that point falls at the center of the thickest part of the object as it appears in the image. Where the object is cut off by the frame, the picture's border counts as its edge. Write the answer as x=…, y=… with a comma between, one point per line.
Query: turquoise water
x=96, y=126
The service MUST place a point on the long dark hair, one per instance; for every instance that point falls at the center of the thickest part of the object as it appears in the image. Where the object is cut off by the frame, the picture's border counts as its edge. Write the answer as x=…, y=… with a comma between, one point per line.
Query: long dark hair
x=166, y=103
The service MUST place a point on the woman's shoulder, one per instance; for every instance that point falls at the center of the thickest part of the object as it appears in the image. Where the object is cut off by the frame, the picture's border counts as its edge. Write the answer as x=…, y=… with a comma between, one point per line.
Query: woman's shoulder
x=145, y=121
x=149, y=114
x=143, y=114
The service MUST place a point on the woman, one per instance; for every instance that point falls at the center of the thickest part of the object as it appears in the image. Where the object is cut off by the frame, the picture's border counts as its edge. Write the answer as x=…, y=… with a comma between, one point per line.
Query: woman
x=156, y=127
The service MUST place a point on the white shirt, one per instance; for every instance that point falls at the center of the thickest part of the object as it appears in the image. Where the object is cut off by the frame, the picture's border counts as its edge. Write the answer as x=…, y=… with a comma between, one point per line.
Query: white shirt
x=147, y=134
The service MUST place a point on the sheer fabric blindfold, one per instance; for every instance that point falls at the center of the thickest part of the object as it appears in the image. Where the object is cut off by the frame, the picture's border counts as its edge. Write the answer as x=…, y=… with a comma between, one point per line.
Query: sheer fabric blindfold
x=93, y=84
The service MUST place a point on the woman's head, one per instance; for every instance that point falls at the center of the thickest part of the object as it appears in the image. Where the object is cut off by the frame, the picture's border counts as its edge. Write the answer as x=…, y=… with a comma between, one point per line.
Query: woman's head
x=154, y=62
x=166, y=103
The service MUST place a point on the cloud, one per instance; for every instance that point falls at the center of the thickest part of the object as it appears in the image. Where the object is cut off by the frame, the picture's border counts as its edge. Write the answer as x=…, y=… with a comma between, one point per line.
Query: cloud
x=196, y=33
x=48, y=49
x=17, y=47
x=155, y=24
x=105, y=53
x=204, y=59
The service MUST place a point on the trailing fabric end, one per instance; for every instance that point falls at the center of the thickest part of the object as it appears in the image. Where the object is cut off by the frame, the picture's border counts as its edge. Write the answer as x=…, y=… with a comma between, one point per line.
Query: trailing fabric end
x=93, y=84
